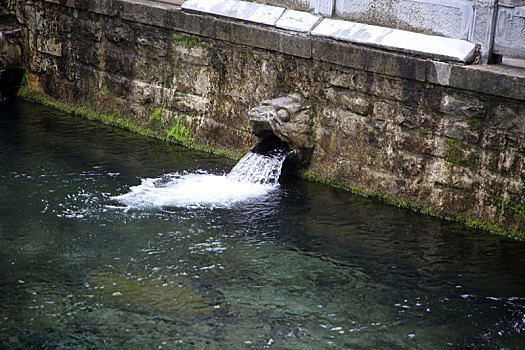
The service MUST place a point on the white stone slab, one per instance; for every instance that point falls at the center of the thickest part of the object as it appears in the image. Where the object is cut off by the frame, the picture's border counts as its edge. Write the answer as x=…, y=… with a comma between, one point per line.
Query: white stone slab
x=246, y=11
x=397, y=40
x=298, y=21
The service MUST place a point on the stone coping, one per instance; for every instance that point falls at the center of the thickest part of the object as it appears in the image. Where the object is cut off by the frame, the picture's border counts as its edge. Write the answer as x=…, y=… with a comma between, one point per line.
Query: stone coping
x=497, y=80
x=435, y=47
x=242, y=10
x=298, y=21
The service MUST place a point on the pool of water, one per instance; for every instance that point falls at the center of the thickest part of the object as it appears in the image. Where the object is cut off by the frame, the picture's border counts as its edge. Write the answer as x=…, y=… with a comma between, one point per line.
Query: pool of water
x=86, y=261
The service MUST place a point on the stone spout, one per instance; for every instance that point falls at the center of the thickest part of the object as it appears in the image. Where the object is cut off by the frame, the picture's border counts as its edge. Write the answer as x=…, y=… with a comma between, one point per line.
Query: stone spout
x=286, y=117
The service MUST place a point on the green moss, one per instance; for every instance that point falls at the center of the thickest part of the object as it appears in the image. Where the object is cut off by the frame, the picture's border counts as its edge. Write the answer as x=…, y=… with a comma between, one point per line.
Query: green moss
x=515, y=207
x=186, y=40
x=109, y=116
x=179, y=69
x=175, y=70
x=474, y=124
x=115, y=118
x=179, y=132
x=313, y=175
x=91, y=94
x=510, y=206
x=453, y=155
x=221, y=152
x=156, y=114
x=515, y=233
x=105, y=90
x=313, y=111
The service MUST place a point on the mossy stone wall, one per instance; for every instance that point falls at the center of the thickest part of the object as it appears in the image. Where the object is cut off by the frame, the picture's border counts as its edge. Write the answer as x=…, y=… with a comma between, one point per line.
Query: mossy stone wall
x=434, y=136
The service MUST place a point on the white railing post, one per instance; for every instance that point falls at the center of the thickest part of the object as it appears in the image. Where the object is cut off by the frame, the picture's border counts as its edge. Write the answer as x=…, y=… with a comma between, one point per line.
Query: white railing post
x=323, y=7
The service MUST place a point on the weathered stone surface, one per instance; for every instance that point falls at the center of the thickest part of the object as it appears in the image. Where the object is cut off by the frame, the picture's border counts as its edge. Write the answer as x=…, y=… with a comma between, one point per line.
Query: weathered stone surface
x=454, y=106
x=10, y=49
x=356, y=102
x=506, y=82
x=11, y=63
x=349, y=55
x=296, y=45
x=140, y=11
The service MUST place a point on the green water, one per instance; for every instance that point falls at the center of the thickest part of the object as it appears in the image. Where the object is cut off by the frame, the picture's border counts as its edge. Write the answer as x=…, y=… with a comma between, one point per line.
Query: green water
x=303, y=266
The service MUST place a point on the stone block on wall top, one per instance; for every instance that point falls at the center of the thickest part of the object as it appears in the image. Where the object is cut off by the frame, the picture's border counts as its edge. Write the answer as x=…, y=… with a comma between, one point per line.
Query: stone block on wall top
x=246, y=11
x=298, y=21
x=435, y=47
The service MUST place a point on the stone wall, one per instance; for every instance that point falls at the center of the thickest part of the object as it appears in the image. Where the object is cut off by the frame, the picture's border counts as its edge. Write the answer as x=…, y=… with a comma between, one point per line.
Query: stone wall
x=10, y=50
x=446, y=139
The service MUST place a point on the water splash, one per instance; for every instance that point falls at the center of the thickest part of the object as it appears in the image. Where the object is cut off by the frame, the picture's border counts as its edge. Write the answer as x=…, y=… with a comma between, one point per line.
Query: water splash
x=258, y=169
x=255, y=175
x=191, y=190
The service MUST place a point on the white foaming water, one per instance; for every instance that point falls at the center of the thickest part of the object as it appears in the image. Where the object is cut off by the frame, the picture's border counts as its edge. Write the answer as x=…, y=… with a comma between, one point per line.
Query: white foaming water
x=254, y=176
x=258, y=169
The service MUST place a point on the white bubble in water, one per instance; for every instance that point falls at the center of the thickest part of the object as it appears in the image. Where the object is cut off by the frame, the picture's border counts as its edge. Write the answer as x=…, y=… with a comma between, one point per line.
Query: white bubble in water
x=192, y=190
